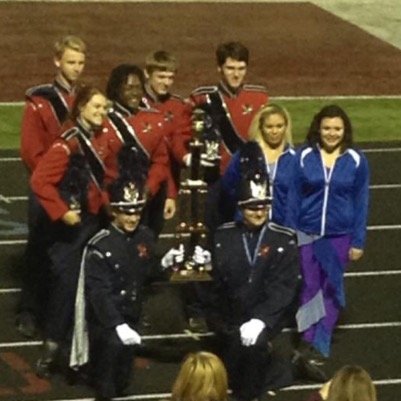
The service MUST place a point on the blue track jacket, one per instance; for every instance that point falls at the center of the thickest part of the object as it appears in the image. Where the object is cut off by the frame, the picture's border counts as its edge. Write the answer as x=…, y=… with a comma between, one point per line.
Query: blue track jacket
x=332, y=201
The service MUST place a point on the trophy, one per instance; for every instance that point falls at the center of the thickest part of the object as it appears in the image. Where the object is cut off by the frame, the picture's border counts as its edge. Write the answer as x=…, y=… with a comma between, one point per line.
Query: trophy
x=191, y=231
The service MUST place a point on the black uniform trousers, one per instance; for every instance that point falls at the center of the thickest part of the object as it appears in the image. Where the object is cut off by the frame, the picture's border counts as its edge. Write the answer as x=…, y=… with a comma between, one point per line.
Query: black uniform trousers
x=36, y=262
x=65, y=260
x=110, y=361
x=253, y=370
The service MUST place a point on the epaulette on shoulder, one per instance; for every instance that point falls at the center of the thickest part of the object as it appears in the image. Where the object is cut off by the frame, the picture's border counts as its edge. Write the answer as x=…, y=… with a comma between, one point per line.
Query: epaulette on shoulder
x=99, y=236
x=94, y=244
x=255, y=88
x=225, y=226
x=40, y=90
x=69, y=134
x=281, y=229
x=204, y=90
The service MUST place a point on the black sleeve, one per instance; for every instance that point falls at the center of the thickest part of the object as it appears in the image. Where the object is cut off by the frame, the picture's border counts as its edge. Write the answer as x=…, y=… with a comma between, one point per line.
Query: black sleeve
x=218, y=308
x=280, y=286
x=98, y=287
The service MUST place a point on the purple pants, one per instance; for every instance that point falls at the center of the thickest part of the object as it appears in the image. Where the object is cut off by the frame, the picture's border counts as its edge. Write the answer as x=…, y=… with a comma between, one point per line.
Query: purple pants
x=315, y=279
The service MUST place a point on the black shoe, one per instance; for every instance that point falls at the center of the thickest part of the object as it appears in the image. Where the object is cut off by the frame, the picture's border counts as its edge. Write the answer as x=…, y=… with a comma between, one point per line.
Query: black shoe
x=145, y=320
x=74, y=377
x=45, y=364
x=312, y=354
x=43, y=368
x=307, y=369
x=198, y=325
x=26, y=324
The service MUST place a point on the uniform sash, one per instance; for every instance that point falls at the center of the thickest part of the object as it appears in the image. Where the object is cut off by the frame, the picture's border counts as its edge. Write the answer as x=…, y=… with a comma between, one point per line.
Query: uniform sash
x=55, y=98
x=127, y=134
x=232, y=140
x=96, y=165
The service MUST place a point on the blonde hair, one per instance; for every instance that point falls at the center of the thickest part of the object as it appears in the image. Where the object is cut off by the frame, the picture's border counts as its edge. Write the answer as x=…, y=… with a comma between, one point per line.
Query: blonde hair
x=352, y=383
x=202, y=377
x=255, y=130
x=69, y=42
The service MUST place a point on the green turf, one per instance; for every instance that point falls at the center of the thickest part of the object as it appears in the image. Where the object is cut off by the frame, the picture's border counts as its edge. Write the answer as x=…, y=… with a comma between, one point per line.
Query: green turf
x=373, y=119
x=10, y=122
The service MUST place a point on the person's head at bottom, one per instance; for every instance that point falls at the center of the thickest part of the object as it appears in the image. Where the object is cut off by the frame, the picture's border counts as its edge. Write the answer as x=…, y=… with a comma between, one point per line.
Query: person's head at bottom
x=351, y=383
x=202, y=377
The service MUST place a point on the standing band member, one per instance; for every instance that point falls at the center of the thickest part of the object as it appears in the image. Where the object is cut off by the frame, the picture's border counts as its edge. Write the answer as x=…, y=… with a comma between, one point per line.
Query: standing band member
x=160, y=73
x=116, y=263
x=231, y=104
x=128, y=124
x=328, y=206
x=47, y=108
x=68, y=184
x=255, y=267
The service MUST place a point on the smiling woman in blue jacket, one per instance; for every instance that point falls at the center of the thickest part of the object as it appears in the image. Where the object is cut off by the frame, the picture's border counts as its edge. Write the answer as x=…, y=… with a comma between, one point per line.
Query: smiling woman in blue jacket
x=271, y=130
x=328, y=207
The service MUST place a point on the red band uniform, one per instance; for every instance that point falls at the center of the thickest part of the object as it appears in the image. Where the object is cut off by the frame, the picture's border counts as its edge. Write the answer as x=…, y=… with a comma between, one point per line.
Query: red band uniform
x=46, y=108
x=67, y=241
x=238, y=107
x=146, y=131
x=177, y=118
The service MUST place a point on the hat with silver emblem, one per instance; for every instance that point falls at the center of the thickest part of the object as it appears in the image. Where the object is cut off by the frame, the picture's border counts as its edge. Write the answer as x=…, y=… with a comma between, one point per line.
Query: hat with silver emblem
x=127, y=193
x=253, y=189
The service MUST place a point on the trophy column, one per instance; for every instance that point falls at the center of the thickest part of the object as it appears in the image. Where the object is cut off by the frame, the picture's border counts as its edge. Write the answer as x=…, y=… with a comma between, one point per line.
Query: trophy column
x=191, y=231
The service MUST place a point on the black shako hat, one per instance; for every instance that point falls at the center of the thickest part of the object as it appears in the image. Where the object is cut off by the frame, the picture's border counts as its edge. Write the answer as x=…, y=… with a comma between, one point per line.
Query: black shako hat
x=127, y=193
x=127, y=196
x=253, y=189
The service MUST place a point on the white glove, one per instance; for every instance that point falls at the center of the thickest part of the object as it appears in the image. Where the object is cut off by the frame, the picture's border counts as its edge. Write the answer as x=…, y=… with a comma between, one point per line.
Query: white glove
x=201, y=256
x=250, y=331
x=206, y=161
x=127, y=335
x=173, y=256
x=187, y=160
